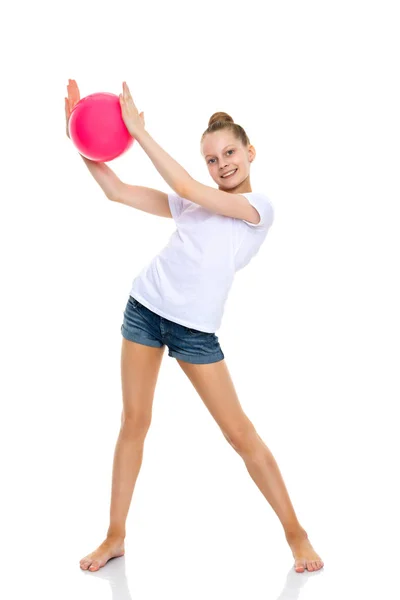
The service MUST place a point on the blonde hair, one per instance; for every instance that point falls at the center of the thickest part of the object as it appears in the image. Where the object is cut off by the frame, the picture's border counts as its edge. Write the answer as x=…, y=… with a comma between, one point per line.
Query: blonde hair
x=221, y=120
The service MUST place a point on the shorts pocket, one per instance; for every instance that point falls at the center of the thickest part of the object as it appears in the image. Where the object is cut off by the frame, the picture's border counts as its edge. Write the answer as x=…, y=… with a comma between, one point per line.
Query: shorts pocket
x=133, y=302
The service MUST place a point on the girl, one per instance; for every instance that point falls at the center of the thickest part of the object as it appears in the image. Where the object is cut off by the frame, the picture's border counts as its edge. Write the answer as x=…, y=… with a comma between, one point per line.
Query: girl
x=177, y=300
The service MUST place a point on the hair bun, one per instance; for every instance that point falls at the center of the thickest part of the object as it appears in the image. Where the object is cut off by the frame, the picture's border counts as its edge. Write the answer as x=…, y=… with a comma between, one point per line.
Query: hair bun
x=222, y=121
x=220, y=116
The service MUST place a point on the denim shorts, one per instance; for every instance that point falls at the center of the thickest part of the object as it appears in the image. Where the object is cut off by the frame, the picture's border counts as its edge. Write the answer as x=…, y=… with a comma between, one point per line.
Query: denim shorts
x=144, y=326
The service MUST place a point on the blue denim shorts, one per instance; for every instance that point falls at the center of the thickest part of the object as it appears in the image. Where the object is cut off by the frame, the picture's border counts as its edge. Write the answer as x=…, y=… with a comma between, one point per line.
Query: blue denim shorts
x=144, y=326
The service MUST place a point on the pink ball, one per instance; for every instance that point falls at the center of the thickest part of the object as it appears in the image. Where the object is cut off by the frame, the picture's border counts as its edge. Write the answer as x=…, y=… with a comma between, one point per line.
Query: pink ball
x=97, y=129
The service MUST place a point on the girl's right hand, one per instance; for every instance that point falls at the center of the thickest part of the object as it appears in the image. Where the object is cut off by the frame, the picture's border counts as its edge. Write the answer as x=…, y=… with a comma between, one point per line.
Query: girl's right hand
x=72, y=100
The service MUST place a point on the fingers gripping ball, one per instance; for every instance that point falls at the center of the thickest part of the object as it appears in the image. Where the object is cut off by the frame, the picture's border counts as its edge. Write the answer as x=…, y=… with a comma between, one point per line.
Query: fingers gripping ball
x=97, y=129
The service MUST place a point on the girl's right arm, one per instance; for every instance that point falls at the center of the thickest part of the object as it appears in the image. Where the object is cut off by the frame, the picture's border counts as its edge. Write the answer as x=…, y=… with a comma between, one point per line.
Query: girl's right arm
x=104, y=176
x=142, y=198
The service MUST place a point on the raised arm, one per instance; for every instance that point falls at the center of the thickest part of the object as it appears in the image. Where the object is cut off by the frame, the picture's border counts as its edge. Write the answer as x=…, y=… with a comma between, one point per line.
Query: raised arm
x=105, y=177
x=144, y=198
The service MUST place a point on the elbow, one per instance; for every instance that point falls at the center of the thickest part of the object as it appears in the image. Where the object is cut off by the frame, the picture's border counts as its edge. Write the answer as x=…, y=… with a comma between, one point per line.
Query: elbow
x=184, y=188
x=115, y=194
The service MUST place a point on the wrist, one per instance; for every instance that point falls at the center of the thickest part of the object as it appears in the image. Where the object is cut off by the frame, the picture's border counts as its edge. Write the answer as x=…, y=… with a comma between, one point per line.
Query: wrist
x=140, y=135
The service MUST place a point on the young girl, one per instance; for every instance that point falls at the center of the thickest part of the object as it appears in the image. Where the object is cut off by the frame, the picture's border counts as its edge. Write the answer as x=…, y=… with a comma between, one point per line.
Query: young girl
x=177, y=301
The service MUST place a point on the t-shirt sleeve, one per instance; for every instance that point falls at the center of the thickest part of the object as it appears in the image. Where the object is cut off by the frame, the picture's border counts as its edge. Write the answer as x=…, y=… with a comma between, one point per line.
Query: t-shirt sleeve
x=177, y=204
x=264, y=207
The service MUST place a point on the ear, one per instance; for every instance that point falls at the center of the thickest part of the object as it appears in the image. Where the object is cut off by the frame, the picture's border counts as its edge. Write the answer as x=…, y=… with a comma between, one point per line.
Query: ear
x=252, y=153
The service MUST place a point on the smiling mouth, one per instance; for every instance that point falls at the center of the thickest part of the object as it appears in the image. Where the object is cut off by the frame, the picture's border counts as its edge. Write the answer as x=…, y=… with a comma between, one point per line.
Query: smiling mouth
x=227, y=176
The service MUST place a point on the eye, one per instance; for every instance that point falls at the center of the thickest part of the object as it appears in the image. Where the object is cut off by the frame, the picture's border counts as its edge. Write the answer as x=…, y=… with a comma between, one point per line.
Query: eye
x=231, y=150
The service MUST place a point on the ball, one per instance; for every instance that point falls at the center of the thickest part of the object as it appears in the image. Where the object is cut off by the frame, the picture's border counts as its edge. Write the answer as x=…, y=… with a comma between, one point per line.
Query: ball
x=97, y=129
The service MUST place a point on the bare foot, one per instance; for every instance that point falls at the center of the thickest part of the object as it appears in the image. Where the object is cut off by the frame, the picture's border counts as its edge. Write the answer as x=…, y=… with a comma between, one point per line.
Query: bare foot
x=304, y=554
x=110, y=548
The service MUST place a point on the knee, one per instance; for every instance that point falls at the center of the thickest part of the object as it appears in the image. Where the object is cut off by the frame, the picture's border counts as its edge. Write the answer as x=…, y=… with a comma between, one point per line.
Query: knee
x=135, y=424
x=242, y=438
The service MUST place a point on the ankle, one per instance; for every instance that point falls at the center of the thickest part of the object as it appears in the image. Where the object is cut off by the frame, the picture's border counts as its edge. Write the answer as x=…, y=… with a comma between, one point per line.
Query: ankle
x=115, y=534
x=295, y=533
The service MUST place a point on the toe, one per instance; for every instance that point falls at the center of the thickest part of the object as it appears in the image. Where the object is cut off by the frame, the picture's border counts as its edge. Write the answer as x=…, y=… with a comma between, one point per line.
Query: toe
x=94, y=566
x=310, y=565
x=299, y=566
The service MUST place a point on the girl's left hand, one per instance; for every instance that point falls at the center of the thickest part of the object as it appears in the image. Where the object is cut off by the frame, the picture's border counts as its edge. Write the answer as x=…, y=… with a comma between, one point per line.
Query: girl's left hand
x=132, y=119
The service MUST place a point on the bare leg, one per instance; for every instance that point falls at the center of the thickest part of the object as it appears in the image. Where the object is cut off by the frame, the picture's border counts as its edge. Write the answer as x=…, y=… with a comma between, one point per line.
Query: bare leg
x=140, y=366
x=215, y=387
x=265, y=473
x=128, y=458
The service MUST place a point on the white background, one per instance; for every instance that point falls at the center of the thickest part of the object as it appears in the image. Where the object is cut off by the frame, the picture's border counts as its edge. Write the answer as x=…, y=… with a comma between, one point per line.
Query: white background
x=311, y=327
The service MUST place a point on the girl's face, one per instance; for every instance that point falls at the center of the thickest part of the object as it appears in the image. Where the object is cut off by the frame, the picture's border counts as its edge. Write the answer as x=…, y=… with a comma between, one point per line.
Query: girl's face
x=224, y=153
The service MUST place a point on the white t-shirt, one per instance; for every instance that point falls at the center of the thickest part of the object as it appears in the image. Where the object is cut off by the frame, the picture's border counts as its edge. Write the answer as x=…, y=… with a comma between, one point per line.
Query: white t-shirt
x=189, y=280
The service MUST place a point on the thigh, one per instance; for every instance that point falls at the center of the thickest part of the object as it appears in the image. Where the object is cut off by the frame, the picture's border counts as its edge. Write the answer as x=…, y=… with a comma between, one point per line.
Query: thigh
x=140, y=365
x=141, y=325
x=191, y=345
x=215, y=387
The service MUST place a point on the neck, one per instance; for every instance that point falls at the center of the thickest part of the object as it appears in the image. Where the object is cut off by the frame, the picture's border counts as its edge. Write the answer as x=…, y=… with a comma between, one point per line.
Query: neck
x=242, y=188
